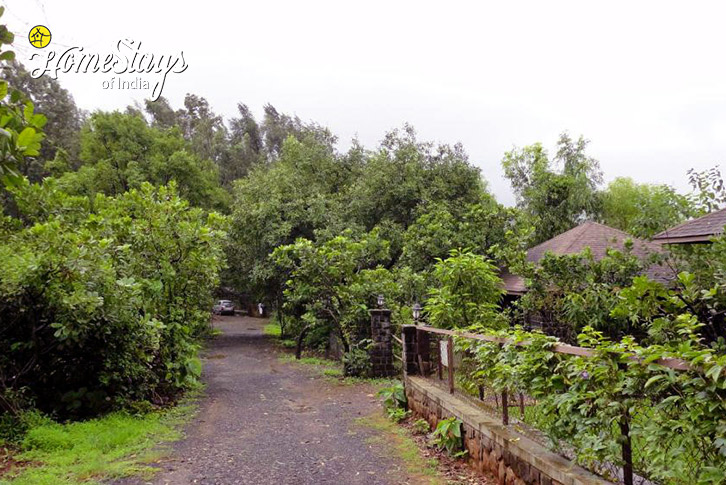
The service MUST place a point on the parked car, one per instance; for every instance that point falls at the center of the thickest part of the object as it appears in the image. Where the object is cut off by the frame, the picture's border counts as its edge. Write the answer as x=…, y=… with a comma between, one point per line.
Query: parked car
x=223, y=307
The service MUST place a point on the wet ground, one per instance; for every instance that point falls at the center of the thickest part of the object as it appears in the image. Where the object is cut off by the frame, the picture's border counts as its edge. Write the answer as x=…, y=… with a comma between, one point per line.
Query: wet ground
x=266, y=421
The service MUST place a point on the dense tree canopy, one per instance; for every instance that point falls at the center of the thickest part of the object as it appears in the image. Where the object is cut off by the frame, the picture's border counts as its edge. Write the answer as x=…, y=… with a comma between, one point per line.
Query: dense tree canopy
x=643, y=210
x=120, y=151
x=557, y=193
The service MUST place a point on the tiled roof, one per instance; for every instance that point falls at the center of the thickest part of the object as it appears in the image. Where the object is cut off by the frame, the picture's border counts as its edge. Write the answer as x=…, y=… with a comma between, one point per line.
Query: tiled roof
x=598, y=237
x=701, y=229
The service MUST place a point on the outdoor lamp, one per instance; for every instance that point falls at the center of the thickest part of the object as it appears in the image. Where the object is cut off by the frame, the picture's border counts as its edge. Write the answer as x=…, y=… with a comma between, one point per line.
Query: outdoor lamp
x=416, y=312
x=381, y=301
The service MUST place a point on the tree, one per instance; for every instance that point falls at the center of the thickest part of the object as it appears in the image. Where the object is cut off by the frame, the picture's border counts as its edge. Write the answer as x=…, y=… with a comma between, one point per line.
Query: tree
x=478, y=227
x=246, y=148
x=709, y=192
x=120, y=151
x=20, y=127
x=404, y=177
x=467, y=293
x=643, y=210
x=326, y=280
x=295, y=197
x=560, y=193
x=131, y=275
x=57, y=105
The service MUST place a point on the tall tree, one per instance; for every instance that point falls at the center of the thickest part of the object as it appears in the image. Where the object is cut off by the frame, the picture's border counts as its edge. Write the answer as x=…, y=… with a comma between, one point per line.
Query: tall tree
x=120, y=151
x=559, y=193
x=643, y=210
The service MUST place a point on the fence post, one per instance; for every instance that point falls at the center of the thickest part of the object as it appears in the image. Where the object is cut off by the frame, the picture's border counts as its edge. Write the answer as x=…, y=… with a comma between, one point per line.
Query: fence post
x=450, y=358
x=505, y=408
x=627, y=448
x=381, y=353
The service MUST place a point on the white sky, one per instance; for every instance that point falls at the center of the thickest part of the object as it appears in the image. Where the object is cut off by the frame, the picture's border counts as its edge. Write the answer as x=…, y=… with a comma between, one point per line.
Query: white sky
x=644, y=81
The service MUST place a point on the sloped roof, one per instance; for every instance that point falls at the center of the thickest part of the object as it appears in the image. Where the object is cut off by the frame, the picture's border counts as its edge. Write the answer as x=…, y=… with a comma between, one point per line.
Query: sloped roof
x=701, y=229
x=597, y=237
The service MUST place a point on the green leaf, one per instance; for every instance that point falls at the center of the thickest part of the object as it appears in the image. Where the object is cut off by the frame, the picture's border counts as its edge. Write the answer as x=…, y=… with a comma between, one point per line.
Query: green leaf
x=653, y=380
x=26, y=137
x=28, y=111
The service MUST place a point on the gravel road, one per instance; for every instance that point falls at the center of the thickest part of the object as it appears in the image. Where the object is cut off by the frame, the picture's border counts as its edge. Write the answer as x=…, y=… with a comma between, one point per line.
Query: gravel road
x=264, y=421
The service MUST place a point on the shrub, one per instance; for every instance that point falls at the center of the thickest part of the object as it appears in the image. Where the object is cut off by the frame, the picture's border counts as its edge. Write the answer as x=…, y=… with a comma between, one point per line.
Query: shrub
x=420, y=426
x=102, y=302
x=394, y=402
x=357, y=362
x=447, y=436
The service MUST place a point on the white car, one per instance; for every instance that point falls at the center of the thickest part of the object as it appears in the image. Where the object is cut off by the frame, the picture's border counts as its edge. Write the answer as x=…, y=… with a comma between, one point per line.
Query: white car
x=223, y=307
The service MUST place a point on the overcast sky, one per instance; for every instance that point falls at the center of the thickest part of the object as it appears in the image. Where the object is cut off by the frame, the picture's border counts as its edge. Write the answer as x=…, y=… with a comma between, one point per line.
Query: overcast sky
x=644, y=81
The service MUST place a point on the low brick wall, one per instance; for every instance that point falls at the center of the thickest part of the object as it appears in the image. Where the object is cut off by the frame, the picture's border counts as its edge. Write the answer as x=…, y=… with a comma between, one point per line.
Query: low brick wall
x=493, y=447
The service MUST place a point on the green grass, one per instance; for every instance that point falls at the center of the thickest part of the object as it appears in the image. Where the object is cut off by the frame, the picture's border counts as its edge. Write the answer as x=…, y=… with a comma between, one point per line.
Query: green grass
x=316, y=361
x=112, y=446
x=273, y=330
x=398, y=442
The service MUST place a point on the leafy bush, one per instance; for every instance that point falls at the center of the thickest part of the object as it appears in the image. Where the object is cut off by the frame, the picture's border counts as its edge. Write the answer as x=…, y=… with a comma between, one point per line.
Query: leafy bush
x=104, y=299
x=420, y=426
x=447, y=436
x=397, y=415
x=13, y=427
x=395, y=402
x=394, y=397
x=357, y=362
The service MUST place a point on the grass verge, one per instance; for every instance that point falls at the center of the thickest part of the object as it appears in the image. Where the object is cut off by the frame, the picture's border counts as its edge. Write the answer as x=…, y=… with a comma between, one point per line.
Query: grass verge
x=272, y=329
x=113, y=446
x=397, y=441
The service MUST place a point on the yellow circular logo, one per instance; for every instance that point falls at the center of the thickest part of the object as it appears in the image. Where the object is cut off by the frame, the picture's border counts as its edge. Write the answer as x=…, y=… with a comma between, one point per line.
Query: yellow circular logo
x=39, y=36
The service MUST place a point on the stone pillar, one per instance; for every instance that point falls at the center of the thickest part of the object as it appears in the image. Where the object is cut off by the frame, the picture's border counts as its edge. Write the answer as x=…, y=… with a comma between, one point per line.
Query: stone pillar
x=408, y=337
x=382, y=350
x=423, y=352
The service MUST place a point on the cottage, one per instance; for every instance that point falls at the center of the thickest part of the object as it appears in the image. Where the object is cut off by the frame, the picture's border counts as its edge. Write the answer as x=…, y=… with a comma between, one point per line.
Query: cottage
x=699, y=230
x=597, y=237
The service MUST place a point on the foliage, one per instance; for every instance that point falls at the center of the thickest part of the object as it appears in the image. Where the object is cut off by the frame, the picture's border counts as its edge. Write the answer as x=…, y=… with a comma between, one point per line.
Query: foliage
x=113, y=446
x=447, y=436
x=395, y=402
x=420, y=426
x=467, y=293
x=569, y=292
x=357, y=361
x=398, y=415
x=120, y=151
x=132, y=276
x=20, y=126
x=329, y=281
x=558, y=193
x=643, y=210
x=57, y=105
x=709, y=193
x=674, y=419
x=404, y=173
x=478, y=227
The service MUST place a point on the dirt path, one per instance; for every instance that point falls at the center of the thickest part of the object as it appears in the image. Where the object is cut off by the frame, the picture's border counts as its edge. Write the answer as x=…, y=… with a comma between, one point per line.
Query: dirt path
x=264, y=421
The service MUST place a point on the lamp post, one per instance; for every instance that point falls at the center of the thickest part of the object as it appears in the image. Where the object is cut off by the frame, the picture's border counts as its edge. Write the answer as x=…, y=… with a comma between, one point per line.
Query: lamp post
x=416, y=312
x=381, y=301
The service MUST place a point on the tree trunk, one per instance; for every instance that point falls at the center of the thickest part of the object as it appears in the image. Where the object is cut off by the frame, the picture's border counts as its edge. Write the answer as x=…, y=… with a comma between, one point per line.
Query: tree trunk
x=298, y=349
